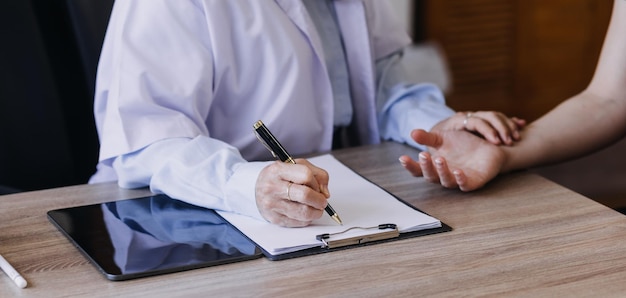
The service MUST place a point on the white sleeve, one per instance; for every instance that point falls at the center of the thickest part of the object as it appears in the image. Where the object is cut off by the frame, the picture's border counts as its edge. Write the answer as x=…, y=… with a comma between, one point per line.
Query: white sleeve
x=200, y=171
x=140, y=98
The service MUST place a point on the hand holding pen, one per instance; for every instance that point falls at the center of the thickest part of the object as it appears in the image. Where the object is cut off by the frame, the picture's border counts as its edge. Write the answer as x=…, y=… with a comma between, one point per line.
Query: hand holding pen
x=290, y=193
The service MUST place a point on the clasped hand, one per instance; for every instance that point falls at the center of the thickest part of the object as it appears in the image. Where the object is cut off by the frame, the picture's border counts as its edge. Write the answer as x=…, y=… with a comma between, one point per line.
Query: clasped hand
x=464, y=151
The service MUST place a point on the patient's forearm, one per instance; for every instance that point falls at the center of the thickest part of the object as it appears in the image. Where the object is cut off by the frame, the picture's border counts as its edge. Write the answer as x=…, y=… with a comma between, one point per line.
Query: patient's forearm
x=580, y=125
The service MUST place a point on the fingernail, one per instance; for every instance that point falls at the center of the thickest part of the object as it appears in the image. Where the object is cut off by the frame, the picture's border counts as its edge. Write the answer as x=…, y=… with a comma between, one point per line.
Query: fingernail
x=402, y=162
x=325, y=191
x=497, y=138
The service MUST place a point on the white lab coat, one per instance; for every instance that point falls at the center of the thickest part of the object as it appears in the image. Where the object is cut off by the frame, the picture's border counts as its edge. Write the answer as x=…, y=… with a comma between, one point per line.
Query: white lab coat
x=222, y=62
x=185, y=81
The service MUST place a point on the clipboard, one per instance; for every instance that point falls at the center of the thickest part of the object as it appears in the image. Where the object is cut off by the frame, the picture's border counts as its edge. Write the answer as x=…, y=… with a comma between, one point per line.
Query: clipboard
x=337, y=237
x=385, y=234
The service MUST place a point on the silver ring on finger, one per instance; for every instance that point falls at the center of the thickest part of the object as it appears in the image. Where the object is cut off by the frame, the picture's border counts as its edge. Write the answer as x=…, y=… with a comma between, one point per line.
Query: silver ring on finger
x=289, y=190
x=467, y=117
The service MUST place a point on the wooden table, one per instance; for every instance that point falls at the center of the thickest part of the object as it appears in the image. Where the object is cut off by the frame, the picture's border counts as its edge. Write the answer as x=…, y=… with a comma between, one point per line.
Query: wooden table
x=522, y=235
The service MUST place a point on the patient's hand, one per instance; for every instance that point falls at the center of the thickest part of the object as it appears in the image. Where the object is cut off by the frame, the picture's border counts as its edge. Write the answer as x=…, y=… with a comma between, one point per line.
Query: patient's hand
x=457, y=159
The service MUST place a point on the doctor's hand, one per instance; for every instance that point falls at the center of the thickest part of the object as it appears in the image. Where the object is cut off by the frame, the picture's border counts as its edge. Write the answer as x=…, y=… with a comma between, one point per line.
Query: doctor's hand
x=292, y=195
x=495, y=127
x=456, y=159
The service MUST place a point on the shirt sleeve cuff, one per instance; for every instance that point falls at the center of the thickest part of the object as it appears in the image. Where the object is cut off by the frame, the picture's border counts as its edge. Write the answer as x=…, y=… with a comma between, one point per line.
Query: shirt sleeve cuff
x=418, y=106
x=240, y=189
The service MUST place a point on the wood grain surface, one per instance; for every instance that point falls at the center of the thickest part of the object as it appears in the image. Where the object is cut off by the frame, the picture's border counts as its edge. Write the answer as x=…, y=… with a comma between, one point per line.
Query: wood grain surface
x=522, y=235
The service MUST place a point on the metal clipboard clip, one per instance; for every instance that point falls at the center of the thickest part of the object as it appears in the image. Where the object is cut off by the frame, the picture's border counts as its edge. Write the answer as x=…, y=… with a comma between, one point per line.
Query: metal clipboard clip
x=389, y=231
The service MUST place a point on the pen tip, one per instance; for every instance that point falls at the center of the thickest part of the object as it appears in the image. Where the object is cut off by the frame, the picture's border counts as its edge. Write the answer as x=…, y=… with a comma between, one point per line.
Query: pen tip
x=337, y=219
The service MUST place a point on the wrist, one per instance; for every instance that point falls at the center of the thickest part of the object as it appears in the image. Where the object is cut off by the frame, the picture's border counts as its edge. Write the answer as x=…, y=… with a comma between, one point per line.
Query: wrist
x=508, y=164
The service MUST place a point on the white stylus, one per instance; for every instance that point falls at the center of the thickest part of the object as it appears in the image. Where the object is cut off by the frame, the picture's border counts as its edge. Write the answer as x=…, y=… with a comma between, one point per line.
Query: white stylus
x=12, y=273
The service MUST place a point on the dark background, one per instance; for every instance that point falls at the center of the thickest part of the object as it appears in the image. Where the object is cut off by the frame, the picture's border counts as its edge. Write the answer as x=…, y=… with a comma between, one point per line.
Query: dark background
x=48, y=59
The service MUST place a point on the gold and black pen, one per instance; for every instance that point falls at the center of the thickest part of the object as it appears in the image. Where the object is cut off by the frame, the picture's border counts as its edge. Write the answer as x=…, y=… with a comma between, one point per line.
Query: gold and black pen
x=272, y=144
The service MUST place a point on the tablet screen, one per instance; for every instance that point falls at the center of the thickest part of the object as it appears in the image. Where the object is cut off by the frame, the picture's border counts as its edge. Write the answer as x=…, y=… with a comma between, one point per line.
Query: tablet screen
x=151, y=235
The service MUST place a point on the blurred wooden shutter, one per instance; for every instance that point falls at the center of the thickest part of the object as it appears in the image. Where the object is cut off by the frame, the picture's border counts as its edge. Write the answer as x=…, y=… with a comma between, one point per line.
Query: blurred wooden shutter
x=521, y=57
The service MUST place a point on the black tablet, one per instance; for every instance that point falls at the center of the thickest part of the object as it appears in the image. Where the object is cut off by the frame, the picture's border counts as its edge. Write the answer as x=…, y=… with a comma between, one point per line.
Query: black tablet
x=151, y=235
